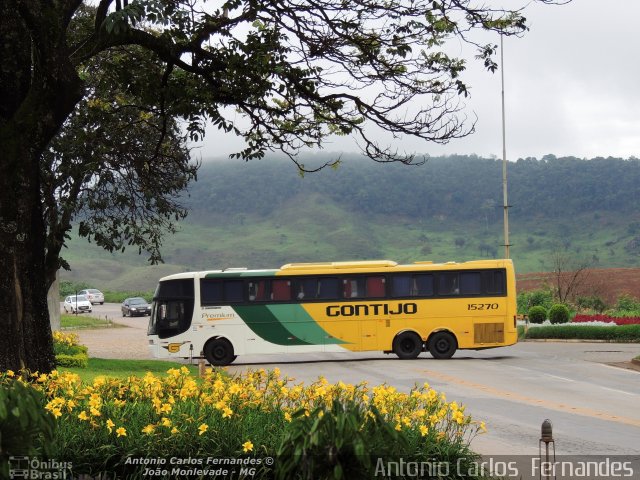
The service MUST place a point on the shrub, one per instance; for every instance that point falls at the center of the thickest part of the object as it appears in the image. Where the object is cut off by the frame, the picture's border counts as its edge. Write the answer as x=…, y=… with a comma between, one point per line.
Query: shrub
x=626, y=303
x=559, y=313
x=535, y=298
x=592, y=302
x=537, y=314
x=68, y=352
x=622, y=333
x=27, y=429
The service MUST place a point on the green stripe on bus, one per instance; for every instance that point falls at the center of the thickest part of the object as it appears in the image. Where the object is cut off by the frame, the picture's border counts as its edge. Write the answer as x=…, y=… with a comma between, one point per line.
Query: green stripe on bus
x=236, y=274
x=267, y=326
x=296, y=319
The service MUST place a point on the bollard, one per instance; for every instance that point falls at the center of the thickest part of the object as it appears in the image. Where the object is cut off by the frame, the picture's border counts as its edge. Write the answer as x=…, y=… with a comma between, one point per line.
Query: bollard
x=201, y=368
x=547, y=465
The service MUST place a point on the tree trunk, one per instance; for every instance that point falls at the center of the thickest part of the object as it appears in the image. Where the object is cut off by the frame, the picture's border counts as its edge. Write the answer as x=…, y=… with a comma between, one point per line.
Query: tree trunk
x=41, y=88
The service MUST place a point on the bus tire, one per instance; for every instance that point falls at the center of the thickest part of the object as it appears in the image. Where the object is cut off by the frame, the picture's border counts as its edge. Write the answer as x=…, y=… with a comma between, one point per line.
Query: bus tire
x=407, y=345
x=442, y=345
x=219, y=352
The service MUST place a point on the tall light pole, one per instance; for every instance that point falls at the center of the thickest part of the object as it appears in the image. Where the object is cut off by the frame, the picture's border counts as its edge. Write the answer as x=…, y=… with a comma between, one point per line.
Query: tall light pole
x=505, y=203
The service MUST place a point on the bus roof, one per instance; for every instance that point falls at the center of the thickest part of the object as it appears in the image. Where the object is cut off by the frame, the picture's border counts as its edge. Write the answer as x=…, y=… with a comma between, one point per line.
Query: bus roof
x=367, y=266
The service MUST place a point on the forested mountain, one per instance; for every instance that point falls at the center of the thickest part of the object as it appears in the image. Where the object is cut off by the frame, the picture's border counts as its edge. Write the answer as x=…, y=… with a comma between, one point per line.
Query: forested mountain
x=264, y=214
x=457, y=187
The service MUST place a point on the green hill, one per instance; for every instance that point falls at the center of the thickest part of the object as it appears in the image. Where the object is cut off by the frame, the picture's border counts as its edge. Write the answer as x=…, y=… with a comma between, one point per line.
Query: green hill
x=263, y=214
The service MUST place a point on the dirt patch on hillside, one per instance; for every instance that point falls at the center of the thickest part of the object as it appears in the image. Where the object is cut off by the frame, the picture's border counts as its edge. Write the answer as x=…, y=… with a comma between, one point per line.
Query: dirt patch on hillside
x=607, y=283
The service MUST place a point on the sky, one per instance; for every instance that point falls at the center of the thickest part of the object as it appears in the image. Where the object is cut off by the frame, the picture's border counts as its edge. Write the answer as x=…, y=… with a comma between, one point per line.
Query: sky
x=571, y=89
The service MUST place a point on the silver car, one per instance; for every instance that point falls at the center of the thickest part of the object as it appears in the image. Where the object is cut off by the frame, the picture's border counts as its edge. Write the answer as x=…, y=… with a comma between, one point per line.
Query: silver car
x=93, y=295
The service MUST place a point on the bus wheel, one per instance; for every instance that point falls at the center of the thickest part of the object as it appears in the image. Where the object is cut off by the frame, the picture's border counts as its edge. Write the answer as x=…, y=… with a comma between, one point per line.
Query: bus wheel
x=407, y=345
x=442, y=345
x=219, y=352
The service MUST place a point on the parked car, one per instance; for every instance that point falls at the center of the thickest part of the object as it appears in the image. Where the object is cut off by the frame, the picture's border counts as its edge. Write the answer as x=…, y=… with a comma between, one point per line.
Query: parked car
x=94, y=296
x=77, y=304
x=135, y=306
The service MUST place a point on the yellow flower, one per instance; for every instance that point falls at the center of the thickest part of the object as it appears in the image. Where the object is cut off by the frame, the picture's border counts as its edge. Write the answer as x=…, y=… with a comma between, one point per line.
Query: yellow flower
x=110, y=425
x=203, y=428
x=174, y=430
x=122, y=432
x=119, y=403
x=83, y=415
x=165, y=422
x=483, y=427
x=398, y=426
x=247, y=446
x=149, y=429
x=423, y=430
x=227, y=412
x=10, y=373
x=95, y=412
x=287, y=416
x=166, y=408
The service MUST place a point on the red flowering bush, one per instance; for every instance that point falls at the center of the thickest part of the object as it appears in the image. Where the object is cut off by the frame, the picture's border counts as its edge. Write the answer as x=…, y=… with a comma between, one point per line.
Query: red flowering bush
x=607, y=319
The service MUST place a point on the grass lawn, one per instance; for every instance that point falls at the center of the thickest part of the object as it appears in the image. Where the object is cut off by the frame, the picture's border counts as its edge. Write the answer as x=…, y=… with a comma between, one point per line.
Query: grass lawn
x=82, y=321
x=125, y=368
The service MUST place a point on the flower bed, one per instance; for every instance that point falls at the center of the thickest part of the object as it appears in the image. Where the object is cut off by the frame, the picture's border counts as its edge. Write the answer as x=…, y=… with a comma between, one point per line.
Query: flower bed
x=606, y=319
x=102, y=425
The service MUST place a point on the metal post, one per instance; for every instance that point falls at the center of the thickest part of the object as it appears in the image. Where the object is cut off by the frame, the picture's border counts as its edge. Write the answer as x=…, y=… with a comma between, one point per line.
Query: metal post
x=505, y=203
x=547, y=465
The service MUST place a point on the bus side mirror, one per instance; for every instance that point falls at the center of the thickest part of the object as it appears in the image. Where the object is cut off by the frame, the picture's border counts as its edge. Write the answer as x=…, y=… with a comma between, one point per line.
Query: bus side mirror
x=163, y=311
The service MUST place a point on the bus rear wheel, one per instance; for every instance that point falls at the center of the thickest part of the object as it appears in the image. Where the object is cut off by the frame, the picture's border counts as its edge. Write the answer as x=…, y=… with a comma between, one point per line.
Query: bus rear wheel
x=442, y=345
x=219, y=352
x=407, y=345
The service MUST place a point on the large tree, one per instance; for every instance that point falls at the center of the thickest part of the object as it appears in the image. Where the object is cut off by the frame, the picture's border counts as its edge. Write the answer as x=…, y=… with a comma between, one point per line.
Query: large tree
x=295, y=71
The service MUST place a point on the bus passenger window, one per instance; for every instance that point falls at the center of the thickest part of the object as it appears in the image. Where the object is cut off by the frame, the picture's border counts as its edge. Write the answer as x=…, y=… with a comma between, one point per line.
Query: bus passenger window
x=448, y=284
x=470, y=283
x=375, y=287
x=281, y=290
x=401, y=286
x=494, y=282
x=423, y=285
x=305, y=288
x=328, y=288
x=257, y=291
x=354, y=287
x=211, y=292
x=233, y=291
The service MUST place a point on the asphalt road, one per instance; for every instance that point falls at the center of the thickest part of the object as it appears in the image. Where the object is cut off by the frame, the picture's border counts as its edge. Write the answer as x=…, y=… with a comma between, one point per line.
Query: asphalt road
x=593, y=406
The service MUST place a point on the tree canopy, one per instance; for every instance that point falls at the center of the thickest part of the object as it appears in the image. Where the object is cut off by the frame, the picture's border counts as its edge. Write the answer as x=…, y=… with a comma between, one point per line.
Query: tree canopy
x=294, y=71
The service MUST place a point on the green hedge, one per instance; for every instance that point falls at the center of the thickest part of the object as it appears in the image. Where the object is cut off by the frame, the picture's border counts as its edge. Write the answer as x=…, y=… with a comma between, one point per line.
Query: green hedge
x=621, y=333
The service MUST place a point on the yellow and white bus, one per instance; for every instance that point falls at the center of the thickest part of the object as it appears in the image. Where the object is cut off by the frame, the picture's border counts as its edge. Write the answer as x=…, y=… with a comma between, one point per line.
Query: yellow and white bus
x=335, y=307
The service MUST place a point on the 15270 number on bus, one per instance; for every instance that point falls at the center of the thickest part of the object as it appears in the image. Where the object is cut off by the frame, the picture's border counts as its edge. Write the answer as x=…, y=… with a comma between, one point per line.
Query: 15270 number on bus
x=482, y=306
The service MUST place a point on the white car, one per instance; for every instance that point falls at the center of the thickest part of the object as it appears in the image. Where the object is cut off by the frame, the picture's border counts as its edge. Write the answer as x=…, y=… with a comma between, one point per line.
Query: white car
x=93, y=295
x=77, y=304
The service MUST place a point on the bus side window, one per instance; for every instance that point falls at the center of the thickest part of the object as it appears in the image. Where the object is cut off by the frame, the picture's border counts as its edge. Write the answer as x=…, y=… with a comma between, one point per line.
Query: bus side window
x=494, y=282
x=423, y=285
x=211, y=292
x=257, y=290
x=233, y=291
x=401, y=286
x=375, y=287
x=470, y=283
x=448, y=283
x=281, y=290
x=329, y=288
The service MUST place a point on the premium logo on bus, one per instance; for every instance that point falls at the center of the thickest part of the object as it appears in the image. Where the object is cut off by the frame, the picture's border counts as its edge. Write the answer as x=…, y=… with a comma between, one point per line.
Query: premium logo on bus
x=371, y=309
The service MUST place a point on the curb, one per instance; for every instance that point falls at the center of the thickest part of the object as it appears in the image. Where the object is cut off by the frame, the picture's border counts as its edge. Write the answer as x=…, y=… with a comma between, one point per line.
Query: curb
x=635, y=362
x=567, y=340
